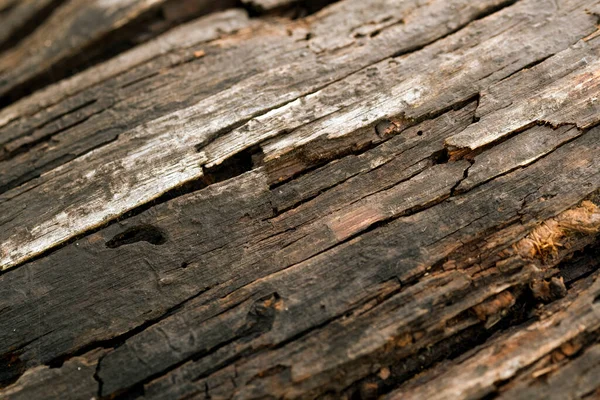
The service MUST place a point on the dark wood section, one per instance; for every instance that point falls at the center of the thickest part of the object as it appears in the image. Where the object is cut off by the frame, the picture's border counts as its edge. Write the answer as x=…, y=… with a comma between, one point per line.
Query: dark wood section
x=275, y=199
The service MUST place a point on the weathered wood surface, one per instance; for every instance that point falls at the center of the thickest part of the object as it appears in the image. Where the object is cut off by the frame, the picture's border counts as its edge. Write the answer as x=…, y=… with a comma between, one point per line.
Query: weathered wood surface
x=17, y=18
x=77, y=30
x=385, y=198
x=173, y=141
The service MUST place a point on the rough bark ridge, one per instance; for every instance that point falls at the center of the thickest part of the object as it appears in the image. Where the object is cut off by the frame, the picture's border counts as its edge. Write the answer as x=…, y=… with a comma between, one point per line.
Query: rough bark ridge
x=299, y=199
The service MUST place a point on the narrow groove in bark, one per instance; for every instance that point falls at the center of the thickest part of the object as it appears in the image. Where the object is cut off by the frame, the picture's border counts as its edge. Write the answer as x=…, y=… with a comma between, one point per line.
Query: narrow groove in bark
x=27, y=27
x=97, y=377
x=128, y=392
x=541, y=157
x=465, y=153
x=101, y=49
x=278, y=212
x=483, y=14
x=48, y=137
x=36, y=173
x=371, y=145
x=293, y=9
x=119, y=340
x=528, y=66
x=54, y=118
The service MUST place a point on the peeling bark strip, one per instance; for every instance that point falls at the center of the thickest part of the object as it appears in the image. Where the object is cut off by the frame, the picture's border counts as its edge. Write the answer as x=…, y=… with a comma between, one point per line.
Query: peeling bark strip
x=387, y=198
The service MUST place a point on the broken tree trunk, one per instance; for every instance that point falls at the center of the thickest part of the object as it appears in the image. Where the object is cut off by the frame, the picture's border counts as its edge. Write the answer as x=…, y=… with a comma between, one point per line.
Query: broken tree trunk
x=381, y=198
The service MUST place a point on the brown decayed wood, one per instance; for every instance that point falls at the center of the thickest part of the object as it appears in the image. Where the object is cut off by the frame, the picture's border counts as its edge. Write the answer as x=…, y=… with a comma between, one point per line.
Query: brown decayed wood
x=386, y=198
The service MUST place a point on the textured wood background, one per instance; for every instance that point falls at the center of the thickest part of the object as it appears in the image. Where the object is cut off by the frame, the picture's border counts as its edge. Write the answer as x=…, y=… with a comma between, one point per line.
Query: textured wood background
x=278, y=199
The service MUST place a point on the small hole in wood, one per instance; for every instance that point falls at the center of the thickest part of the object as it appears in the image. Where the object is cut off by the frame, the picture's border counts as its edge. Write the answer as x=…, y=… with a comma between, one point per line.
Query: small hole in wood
x=441, y=157
x=384, y=128
x=140, y=233
x=420, y=133
x=11, y=367
x=235, y=165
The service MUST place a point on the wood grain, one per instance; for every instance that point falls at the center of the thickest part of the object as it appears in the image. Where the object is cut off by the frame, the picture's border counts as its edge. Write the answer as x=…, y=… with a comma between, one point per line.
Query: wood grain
x=384, y=199
x=199, y=123
x=74, y=32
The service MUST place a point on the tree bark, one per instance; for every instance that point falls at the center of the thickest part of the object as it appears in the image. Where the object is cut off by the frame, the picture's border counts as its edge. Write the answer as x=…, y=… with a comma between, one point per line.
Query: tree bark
x=375, y=199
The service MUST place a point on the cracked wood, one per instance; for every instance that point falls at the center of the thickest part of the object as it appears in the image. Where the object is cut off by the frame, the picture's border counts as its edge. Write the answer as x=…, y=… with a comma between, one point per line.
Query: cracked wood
x=386, y=198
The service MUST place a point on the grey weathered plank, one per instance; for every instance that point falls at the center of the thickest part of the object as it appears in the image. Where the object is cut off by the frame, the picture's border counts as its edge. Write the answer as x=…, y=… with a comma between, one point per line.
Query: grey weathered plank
x=564, y=88
x=186, y=35
x=351, y=244
x=36, y=144
x=76, y=30
x=197, y=124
